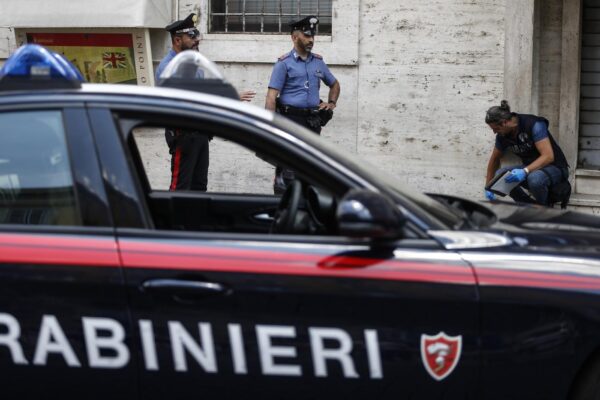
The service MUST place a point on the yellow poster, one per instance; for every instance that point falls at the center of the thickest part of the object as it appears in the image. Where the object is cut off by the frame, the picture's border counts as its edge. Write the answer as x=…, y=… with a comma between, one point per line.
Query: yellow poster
x=100, y=57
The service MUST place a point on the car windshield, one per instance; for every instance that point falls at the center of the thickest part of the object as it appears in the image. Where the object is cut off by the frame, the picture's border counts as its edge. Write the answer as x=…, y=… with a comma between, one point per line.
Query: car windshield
x=436, y=211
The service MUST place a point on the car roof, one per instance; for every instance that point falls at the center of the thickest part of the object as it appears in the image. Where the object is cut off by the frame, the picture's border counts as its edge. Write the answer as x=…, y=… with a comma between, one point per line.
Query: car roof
x=116, y=92
x=148, y=92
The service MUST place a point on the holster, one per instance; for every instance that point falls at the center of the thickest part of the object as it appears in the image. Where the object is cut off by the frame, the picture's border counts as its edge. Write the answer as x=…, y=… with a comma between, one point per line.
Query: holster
x=325, y=116
x=313, y=120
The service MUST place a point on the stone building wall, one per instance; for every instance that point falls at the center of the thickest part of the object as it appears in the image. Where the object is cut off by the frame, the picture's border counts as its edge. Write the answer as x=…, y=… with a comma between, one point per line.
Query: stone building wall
x=430, y=70
x=414, y=105
x=550, y=63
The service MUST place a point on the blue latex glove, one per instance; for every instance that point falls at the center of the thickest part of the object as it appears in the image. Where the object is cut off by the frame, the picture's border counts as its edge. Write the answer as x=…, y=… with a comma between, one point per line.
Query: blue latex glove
x=516, y=175
x=489, y=195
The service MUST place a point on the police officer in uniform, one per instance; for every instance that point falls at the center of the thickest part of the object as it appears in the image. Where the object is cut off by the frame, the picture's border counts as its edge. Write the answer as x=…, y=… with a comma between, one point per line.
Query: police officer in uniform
x=294, y=87
x=189, y=149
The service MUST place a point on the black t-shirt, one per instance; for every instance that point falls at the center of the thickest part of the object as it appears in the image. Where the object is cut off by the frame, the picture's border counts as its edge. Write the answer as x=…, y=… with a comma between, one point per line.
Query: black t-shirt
x=523, y=145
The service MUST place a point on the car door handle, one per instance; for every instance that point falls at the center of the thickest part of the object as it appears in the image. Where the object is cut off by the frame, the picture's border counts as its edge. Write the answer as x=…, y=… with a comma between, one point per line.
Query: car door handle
x=180, y=287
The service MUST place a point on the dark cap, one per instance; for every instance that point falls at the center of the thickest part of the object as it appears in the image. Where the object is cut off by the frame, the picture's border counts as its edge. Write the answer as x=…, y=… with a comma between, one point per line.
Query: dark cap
x=307, y=25
x=186, y=25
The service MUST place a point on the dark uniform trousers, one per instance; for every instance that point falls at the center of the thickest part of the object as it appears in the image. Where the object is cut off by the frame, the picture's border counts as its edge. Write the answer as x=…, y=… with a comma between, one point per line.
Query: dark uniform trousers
x=284, y=176
x=189, y=160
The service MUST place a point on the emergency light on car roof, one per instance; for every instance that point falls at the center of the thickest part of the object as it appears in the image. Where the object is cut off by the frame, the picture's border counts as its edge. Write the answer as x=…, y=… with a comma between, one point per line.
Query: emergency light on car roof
x=35, y=67
x=190, y=70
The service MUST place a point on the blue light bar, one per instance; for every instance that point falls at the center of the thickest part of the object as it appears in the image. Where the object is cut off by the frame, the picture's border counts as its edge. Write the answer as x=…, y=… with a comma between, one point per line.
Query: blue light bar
x=35, y=67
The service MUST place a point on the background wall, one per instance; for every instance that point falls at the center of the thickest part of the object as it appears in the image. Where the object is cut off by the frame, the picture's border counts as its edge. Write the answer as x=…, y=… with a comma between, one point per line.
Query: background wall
x=550, y=36
x=430, y=70
x=412, y=104
x=415, y=103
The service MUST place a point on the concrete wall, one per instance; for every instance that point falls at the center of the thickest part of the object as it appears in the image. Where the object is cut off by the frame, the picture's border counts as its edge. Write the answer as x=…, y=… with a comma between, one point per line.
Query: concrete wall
x=7, y=42
x=427, y=73
x=550, y=58
x=414, y=105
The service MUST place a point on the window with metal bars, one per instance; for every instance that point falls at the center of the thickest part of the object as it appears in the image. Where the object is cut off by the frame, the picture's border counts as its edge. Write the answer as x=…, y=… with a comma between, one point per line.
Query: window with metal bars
x=266, y=16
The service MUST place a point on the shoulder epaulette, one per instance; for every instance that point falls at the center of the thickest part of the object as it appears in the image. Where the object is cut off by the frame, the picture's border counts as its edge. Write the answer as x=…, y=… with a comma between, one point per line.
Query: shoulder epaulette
x=320, y=57
x=283, y=57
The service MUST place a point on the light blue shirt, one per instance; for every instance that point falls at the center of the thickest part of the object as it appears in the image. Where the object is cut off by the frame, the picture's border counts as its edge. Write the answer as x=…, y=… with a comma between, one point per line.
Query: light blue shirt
x=163, y=64
x=299, y=81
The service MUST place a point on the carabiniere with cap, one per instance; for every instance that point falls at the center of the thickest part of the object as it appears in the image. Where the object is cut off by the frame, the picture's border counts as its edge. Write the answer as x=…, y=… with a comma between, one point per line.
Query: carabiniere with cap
x=296, y=81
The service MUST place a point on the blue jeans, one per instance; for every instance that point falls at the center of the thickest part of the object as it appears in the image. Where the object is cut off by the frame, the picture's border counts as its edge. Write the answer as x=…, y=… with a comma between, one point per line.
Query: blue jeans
x=537, y=183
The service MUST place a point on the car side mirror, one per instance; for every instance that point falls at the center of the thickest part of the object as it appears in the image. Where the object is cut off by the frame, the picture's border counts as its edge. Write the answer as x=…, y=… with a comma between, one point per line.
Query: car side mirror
x=363, y=213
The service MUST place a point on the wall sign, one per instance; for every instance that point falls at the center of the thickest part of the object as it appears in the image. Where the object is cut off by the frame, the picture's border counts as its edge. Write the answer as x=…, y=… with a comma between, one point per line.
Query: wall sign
x=102, y=56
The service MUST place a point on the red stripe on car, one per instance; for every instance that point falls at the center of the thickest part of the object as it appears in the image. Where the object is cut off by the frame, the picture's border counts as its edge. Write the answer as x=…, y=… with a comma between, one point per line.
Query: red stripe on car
x=64, y=250
x=98, y=251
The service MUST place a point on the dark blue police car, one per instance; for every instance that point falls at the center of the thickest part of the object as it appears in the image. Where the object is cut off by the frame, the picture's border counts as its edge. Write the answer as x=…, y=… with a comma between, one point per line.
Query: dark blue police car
x=349, y=286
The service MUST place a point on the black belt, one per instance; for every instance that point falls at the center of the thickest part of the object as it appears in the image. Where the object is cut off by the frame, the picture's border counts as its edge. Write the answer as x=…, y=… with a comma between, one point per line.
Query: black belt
x=300, y=112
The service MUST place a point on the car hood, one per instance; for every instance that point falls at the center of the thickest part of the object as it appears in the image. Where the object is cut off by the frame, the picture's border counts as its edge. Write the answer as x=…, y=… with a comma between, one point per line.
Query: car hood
x=530, y=216
x=526, y=226
x=535, y=227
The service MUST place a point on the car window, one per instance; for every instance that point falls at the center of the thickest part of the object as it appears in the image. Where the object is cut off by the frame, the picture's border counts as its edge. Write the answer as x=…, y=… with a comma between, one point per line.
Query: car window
x=36, y=184
x=232, y=168
x=239, y=195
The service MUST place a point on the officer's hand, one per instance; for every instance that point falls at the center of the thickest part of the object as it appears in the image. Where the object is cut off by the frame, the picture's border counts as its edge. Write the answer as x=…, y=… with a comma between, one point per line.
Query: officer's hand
x=516, y=175
x=326, y=106
x=489, y=195
x=247, y=95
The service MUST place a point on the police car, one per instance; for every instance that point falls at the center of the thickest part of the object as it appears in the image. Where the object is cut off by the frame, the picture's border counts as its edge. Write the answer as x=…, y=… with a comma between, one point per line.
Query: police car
x=349, y=286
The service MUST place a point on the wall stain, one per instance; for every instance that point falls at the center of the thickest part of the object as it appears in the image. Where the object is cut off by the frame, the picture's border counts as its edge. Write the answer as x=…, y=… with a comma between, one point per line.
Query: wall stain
x=397, y=107
x=384, y=132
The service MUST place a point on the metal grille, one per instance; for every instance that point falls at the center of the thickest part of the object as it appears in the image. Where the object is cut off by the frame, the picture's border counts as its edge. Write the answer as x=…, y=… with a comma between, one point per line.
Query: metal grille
x=589, y=109
x=266, y=16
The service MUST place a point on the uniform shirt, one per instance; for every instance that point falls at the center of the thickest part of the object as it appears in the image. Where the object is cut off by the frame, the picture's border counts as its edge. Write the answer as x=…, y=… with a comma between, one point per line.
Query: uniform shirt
x=163, y=63
x=299, y=81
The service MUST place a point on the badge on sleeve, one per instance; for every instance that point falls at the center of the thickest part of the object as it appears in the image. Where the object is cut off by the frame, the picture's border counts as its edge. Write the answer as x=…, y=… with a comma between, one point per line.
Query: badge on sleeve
x=440, y=354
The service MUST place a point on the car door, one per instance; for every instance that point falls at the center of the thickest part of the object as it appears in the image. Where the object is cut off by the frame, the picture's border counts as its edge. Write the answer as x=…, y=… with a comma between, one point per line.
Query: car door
x=64, y=326
x=223, y=314
x=299, y=319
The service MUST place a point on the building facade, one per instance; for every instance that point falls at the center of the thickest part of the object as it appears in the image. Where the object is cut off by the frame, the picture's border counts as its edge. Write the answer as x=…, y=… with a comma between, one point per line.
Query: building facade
x=416, y=77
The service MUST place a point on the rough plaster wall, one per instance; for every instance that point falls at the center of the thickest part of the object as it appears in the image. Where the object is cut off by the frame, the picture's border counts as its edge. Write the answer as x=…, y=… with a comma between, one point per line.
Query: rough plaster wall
x=414, y=106
x=428, y=71
x=7, y=43
x=550, y=62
